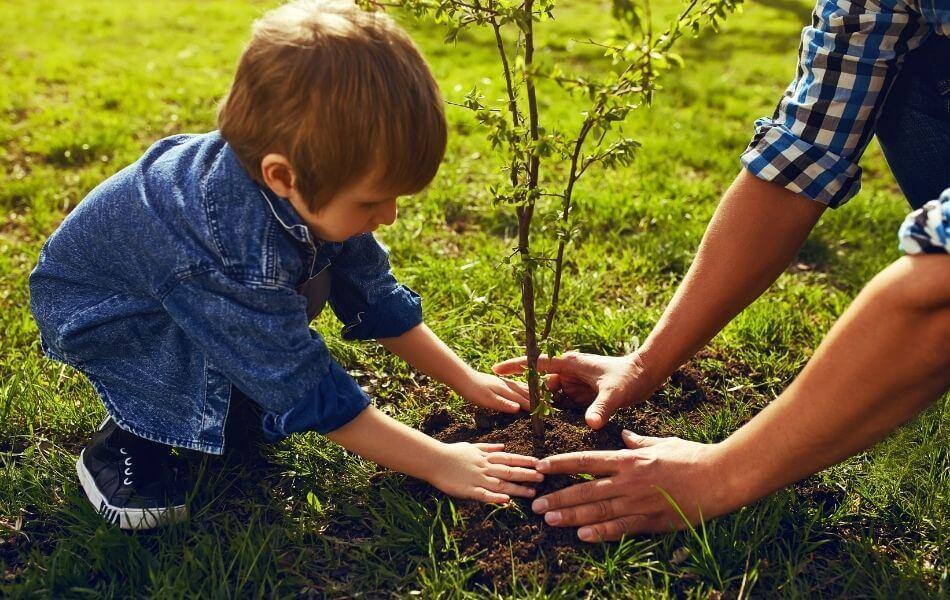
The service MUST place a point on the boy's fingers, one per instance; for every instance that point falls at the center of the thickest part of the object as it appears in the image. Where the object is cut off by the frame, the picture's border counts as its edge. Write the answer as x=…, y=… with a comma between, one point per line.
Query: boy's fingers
x=513, y=489
x=502, y=404
x=487, y=447
x=509, y=473
x=511, y=395
x=519, y=388
x=515, y=460
x=489, y=496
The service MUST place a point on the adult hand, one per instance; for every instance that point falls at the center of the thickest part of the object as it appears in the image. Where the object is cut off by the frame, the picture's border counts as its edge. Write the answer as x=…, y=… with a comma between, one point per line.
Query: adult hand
x=627, y=498
x=605, y=383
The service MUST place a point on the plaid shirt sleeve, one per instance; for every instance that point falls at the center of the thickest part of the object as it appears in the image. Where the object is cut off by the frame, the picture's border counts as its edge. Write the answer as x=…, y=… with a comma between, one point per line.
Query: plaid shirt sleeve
x=927, y=229
x=848, y=59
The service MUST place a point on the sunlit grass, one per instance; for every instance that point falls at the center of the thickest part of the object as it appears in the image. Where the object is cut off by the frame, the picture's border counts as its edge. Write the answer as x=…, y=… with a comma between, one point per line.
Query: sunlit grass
x=87, y=86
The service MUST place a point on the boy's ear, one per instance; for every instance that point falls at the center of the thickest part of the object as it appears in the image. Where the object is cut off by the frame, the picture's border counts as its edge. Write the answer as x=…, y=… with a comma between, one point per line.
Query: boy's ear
x=278, y=174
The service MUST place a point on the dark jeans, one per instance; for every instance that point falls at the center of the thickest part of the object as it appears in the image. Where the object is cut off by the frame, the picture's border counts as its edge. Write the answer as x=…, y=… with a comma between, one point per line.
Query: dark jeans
x=914, y=125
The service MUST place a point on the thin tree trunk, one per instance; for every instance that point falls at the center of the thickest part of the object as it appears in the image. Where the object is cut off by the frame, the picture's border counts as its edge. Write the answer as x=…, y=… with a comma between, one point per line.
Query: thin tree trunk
x=524, y=226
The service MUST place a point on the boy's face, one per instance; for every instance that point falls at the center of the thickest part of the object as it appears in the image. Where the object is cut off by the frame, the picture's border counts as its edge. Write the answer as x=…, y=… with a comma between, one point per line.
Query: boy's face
x=355, y=210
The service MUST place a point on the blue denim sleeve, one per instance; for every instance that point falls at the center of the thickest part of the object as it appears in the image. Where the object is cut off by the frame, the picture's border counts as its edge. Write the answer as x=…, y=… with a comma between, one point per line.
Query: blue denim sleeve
x=366, y=297
x=259, y=338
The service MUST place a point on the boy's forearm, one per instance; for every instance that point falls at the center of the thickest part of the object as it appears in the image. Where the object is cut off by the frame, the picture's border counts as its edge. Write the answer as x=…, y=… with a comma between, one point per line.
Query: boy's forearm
x=881, y=364
x=387, y=442
x=425, y=352
x=753, y=236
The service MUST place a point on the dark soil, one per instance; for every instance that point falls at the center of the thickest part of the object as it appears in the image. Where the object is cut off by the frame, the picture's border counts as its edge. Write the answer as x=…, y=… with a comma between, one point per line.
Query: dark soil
x=514, y=535
x=502, y=537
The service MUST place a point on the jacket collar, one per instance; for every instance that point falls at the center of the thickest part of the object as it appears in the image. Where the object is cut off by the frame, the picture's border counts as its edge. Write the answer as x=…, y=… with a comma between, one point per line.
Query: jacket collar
x=237, y=176
x=286, y=215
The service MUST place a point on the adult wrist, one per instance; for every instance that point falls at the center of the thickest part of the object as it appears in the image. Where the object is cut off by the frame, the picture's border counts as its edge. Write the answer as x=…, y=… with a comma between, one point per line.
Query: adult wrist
x=648, y=370
x=739, y=483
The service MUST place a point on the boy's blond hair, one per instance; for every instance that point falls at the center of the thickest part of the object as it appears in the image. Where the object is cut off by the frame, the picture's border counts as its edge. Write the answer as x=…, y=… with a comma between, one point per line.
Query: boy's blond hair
x=342, y=93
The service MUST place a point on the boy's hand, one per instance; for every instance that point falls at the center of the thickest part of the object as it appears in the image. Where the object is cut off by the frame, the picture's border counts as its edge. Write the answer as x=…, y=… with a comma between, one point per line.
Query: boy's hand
x=496, y=393
x=483, y=472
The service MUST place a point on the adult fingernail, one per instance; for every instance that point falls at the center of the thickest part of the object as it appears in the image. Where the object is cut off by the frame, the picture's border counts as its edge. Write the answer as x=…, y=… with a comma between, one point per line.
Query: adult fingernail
x=585, y=533
x=543, y=465
x=540, y=505
x=553, y=517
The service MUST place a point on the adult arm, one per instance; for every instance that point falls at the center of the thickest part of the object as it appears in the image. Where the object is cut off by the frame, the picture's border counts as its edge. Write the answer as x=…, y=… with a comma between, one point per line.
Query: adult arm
x=801, y=159
x=753, y=236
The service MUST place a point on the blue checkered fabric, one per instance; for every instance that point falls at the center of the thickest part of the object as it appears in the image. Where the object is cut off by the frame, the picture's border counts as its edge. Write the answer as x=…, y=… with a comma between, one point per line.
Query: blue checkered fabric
x=848, y=58
x=927, y=229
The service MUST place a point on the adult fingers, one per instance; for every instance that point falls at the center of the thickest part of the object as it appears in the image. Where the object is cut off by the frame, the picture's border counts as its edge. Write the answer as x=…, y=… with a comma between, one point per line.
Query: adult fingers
x=614, y=529
x=516, y=366
x=635, y=440
x=512, y=366
x=576, y=495
x=597, y=511
x=509, y=473
x=592, y=462
x=515, y=460
x=553, y=382
x=604, y=405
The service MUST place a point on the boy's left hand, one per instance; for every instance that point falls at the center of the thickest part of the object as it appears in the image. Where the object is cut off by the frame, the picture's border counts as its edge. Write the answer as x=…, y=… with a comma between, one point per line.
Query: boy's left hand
x=496, y=393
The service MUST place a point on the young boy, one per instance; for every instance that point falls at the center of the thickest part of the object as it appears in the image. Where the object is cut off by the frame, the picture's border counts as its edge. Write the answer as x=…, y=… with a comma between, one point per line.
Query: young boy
x=190, y=277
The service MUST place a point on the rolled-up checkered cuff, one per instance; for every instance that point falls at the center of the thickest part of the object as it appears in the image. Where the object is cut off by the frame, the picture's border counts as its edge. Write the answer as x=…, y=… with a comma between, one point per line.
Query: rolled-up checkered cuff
x=777, y=155
x=927, y=229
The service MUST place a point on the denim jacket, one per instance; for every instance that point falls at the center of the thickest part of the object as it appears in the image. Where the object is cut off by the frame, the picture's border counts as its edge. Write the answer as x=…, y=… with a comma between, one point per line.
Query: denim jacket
x=176, y=280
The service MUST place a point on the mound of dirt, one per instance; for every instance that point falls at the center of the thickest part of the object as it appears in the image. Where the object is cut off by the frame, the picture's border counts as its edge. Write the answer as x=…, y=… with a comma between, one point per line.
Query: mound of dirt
x=512, y=536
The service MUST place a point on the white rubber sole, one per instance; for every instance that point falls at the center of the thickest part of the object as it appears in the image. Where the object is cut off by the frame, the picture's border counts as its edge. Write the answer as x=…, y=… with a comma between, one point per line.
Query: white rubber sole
x=126, y=518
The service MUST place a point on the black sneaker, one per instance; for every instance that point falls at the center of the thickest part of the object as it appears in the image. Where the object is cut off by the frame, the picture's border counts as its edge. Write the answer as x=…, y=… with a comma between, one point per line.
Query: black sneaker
x=130, y=480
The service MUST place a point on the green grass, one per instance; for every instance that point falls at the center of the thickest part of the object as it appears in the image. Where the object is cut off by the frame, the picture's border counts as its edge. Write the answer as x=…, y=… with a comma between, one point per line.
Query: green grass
x=86, y=86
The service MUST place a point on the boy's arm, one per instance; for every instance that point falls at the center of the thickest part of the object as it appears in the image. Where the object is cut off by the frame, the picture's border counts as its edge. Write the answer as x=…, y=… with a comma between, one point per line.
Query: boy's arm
x=423, y=349
x=369, y=301
x=365, y=295
x=476, y=471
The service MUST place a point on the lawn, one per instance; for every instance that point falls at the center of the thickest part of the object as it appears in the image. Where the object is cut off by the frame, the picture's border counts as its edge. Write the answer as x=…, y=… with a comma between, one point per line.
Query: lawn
x=86, y=86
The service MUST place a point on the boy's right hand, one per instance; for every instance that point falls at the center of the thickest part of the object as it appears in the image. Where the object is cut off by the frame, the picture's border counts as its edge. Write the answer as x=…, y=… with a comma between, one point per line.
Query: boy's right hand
x=483, y=472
